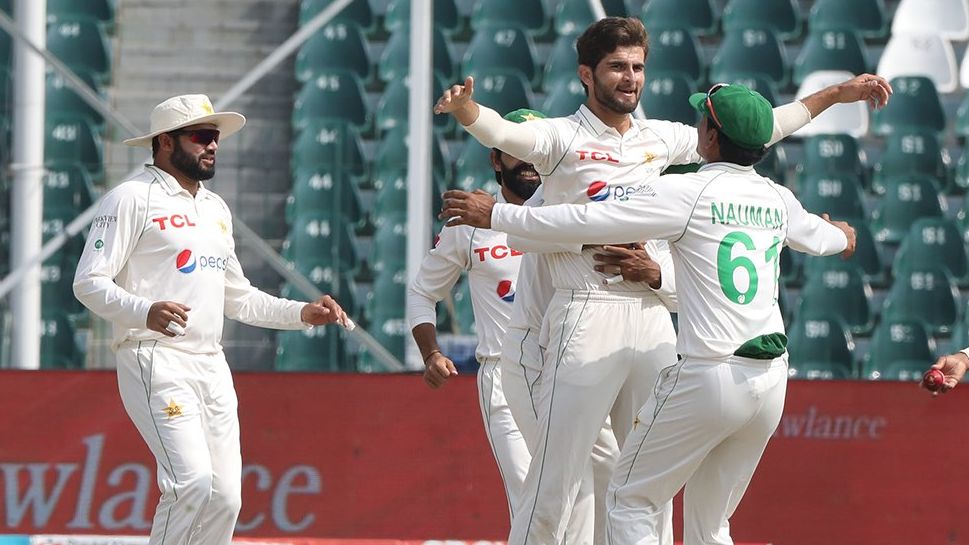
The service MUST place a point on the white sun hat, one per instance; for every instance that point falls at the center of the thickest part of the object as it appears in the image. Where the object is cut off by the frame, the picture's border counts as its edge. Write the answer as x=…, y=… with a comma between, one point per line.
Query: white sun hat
x=186, y=110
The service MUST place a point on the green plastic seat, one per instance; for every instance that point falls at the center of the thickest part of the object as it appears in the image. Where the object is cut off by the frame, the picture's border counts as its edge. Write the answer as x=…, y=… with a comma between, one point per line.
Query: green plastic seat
x=830, y=50
x=330, y=144
x=321, y=190
x=935, y=240
x=58, y=347
x=820, y=347
x=501, y=50
x=394, y=62
x=751, y=52
x=502, y=92
x=695, y=15
x=839, y=195
x=896, y=342
x=665, y=96
x=912, y=153
x=332, y=96
x=392, y=152
x=390, y=198
x=564, y=99
x=358, y=12
x=866, y=17
x=779, y=16
x=336, y=46
x=906, y=199
x=317, y=349
x=67, y=10
x=393, y=109
x=562, y=63
x=675, y=51
x=473, y=169
x=388, y=251
x=388, y=296
x=67, y=188
x=6, y=51
x=390, y=333
x=574, y=16
x=463, y=310
x=832, y=154
x=81, y=44
x=867, y=257
x=914, y=105
x=527, y=14
x=328, y=280
x=925, y=291
x=61, y=99
x=70, y=139
x=57, y=282
x=960, y=176
x=446, y=16
x=756, y=82
x=322, y=238
x=839, y=287
x=962, y=117
x=774, y=165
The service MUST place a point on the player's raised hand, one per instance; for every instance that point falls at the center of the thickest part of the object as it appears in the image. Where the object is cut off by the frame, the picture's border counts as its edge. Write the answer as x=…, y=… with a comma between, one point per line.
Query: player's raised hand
x=849, y=232
x=324, y=310
x=163, y=313
x=463, y=208
x=455, y=97
x=954, y=367
x=875, y=90
x=438, y=368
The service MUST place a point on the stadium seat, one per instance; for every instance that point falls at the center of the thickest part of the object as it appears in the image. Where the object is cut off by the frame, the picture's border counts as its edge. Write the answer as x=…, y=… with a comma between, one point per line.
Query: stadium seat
x=73, y=140
x=561, y=64
x=935, y=240
x=446, y=16
x=906, y=199
x=495, y=49
x=964, y=71
x=6, y=51
x=58, y=348
x=329, y=144
x=904, y=370
x=840, y=50
x=926, y=54
x=820, y=347
x=912, y=152
x=564, y=99
x=898, y=342
x=867, y=257
x=358, y=12
x=80, y=43
x=866, y=17
x=837, y=194
x=324, y=191
x=473, y=169
x=851, y=118
x=832, y=154
x=389, y=249
x=337, y=95
x=527, y=14
x=792, y=267
x=393, y=109
x=675, y=51
x=390, y=188
x=328, y=280
x=390, y=152
x=751, y=52
x=502, y=91
x=68, y=10
x=960, y=178
x=948, y=19
x=322, y=238
x=962, y=117
x=756, y=82
x=925, y=291
x=317, y=349
x=57, y=283
x=839, y=287
x=573, y=16
x=695, y=15
x=387, y=298
x=67, y=187
x=779, y=16
x=391, y=334
x=774, y=165
x=463, y=310
x=6, y=92
x=336, y=46
x=914, y=105
x=665, y=97
x=394, y=62
x=61, y=100
x=960, y=333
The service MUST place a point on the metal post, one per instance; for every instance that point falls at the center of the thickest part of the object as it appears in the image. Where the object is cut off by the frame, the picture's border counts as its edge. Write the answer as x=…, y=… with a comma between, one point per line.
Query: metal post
x=27, y=202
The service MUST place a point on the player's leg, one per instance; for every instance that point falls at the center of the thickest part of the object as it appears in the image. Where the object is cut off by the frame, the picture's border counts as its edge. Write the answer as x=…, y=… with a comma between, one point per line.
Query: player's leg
x=605, y=454
x=507, y=444
x=520, y=370
x=579, y=383
x=158, y=393
x=716, y=488
x=221, y=420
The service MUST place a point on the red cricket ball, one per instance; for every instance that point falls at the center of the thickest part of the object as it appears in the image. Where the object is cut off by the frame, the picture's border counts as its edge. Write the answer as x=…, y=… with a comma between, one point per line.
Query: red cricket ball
x=933, y=379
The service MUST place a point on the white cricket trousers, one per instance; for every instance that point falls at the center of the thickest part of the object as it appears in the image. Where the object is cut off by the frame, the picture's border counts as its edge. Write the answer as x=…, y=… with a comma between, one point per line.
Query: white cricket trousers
x=520, y=372
x=603, y=355
x=185, y=407
x=706, y=428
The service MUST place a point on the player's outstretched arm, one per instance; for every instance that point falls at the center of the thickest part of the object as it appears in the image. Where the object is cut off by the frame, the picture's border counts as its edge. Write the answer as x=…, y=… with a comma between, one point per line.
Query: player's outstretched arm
x=868, y=87
x=456, y=100
x=849, y=232
x=954, y=367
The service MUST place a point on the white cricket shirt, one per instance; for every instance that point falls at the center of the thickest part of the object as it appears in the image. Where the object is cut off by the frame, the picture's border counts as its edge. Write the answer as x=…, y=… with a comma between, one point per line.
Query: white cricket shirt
x=726, y=226
x=152, y=241
x=492, y=269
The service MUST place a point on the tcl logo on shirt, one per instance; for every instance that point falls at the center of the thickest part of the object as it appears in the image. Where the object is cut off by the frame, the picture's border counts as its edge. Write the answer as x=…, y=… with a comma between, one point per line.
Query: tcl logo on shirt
x=176, y=221
x=593, y=155
x=496, y=252
x=186, y=262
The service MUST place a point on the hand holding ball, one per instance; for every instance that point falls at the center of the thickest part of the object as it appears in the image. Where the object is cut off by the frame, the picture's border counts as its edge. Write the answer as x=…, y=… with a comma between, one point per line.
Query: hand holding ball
x=933, y=380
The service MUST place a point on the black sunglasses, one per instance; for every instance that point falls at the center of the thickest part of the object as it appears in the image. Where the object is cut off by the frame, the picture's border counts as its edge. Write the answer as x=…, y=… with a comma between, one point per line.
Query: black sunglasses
x=202, y=137
x=713, y=113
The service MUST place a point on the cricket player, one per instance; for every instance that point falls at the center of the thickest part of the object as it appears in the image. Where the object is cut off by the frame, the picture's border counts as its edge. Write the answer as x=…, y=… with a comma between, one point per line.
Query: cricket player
x=605, y=345
x=954, y=367
x=160, y=265
x=712, y=412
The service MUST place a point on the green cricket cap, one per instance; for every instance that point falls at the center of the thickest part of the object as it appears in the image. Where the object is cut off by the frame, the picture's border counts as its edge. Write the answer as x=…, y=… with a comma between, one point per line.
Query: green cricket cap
x=522, y=115
x=741, y=113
